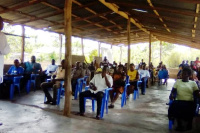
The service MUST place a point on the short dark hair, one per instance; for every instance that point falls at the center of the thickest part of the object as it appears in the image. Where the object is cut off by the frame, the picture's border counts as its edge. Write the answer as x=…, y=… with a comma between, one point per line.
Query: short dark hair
x=187, y=70
x=132, y=64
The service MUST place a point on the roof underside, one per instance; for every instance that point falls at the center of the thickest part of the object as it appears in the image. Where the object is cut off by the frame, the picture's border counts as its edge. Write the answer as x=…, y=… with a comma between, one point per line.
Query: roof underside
x=174, y=21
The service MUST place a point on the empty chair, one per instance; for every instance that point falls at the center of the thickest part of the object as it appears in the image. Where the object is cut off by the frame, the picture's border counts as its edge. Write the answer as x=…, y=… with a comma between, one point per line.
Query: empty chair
x=32, y=80
x=79, y=86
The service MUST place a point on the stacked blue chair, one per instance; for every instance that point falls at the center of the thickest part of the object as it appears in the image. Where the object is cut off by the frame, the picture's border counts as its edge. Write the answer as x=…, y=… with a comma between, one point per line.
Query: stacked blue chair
x=79, y=86
x=16, y=82
x=32, y=80
x=104, y=101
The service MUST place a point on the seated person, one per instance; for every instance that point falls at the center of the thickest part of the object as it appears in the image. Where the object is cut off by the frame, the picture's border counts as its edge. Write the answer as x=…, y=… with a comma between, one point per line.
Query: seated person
x=76, y=74
x=99, y=82
x=105, y=62
x=55, y=83
x=118, y=85
x=183, y=107
x=15, y=70
x=32, y=67
x=133, y=78
x=163, y=74
x=51, y=68
x=144, y=76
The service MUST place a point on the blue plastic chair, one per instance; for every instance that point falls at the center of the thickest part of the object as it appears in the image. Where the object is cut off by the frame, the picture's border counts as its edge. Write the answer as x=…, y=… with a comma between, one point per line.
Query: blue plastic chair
x=104, y=102
x=162, y=74
x=85, y=80
x=123, y=100
x=60, y=92
x=32, y=80
x=127, y=79
x=136, y=92
x=79, y=86
x=16, y=82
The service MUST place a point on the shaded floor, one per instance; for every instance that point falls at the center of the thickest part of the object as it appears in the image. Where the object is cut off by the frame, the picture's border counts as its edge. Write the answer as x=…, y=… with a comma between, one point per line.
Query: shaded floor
x=148, y=114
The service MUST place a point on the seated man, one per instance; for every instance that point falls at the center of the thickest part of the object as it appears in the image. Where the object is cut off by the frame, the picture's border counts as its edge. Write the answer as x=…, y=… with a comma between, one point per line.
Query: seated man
x=15, y=70
x=76, y=74
x=55, y=83
x=51, y=68
x=99, y=82
x=144, y=77
x=32, y=68
x=133, y=78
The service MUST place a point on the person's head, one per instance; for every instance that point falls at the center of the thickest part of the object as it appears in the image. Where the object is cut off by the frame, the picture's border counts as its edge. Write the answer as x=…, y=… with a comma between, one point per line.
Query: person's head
x=186, y=61
x=1, y=23
x=186, y=73
x=105, y=58
x=16, y=63
x=183, y=62
x=197, y=58
x=164, y=67
x=105, y=70
x=144, y=67
x=63, y=63
x=77, y=65
x=33, y=59
x=194, y=75
x=132, y=67
x=53, y=62
x=92, y=63
x=126, y=64
x=120, y=69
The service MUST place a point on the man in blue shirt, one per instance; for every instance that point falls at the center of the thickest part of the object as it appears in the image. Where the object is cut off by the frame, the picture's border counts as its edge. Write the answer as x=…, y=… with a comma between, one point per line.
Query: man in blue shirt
x=16, y=69
x=32, y=67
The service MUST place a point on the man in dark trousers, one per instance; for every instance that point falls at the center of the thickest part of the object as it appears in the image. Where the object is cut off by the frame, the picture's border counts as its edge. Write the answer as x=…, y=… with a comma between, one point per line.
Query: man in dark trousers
x=98, y=84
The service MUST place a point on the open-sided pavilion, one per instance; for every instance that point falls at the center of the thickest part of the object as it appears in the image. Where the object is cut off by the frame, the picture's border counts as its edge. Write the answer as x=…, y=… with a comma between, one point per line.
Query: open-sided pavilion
x=110, y=21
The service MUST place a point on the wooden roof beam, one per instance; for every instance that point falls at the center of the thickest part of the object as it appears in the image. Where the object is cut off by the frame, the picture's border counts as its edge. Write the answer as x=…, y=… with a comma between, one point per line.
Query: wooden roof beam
x=24, y=4
x=195, y=21
x=158, y=15
x=90, y=10
x=115, y=8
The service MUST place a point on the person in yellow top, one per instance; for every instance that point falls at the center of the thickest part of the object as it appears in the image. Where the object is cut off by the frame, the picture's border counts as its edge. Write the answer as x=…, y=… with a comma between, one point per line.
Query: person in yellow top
x=133, y=78
x=183, y=107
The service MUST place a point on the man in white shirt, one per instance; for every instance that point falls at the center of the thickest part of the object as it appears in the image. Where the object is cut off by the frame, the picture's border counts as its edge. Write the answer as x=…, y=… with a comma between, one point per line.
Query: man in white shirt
x=144, y=76
x=98, y=84
x=51, y=68
x=4, y=49
x=55, y=83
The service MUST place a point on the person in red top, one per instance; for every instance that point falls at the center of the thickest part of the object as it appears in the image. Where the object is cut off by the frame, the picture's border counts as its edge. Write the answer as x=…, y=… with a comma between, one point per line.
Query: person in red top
x=197, y=63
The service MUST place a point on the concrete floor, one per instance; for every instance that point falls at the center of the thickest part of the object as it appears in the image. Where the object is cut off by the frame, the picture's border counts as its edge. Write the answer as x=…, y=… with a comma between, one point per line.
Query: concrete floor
x=148, y=114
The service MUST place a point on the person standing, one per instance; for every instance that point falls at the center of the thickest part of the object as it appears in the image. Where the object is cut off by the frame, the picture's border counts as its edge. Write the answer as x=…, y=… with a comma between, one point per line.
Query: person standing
x=4, y=49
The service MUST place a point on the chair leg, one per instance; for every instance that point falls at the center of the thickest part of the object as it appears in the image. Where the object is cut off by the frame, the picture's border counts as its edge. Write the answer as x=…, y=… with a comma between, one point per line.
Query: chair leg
x=58, y=96
x=11, y=91
x=135, y=94
x=170, y=124
x=102, y=107
x=93, y=105
x=122, y=100
x=76, y=92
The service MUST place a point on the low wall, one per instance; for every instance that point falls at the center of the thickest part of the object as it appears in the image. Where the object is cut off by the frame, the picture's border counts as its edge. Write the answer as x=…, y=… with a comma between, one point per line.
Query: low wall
x=173, y=72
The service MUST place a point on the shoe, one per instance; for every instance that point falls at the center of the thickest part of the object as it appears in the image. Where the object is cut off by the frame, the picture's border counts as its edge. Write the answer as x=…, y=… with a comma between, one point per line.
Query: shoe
x=47, y=102
x=98, y=117
x=111, y=106
x=143, y=93
x=53, y=103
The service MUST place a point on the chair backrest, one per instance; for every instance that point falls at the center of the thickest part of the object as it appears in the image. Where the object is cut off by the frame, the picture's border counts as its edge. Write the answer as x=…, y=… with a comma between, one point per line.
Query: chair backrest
x=85, y=78
x=17, y=79
x=163, y=74
x=127, y=79
x=33, y=76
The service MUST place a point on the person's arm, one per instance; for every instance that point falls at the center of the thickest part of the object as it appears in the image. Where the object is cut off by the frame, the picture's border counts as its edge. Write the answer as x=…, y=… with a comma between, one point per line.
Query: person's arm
x=9, y=71
x=107, y=81
x=173, y=94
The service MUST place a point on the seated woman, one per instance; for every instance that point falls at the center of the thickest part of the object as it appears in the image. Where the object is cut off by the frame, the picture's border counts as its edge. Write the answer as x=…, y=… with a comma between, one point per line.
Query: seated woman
x=183, y=106
x=118, y=85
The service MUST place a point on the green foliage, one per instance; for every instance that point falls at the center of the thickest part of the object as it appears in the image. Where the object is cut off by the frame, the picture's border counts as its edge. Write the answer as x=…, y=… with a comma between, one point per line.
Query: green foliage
x=53, y=55
x=92, y=54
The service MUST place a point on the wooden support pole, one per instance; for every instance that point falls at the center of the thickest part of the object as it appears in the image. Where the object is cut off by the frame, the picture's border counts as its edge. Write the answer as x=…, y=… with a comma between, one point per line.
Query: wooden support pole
x=23, y=43
x=149, y=48
x=129, y=40
x=68, y=56
x=121, y=54
x=160, y=51
x=82, y=46
x=60, y=55
x=99, y=52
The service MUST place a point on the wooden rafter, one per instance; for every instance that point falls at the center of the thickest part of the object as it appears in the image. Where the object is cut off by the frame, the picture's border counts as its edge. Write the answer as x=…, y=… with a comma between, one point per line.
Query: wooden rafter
x=195, y=21
x=157, y=14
